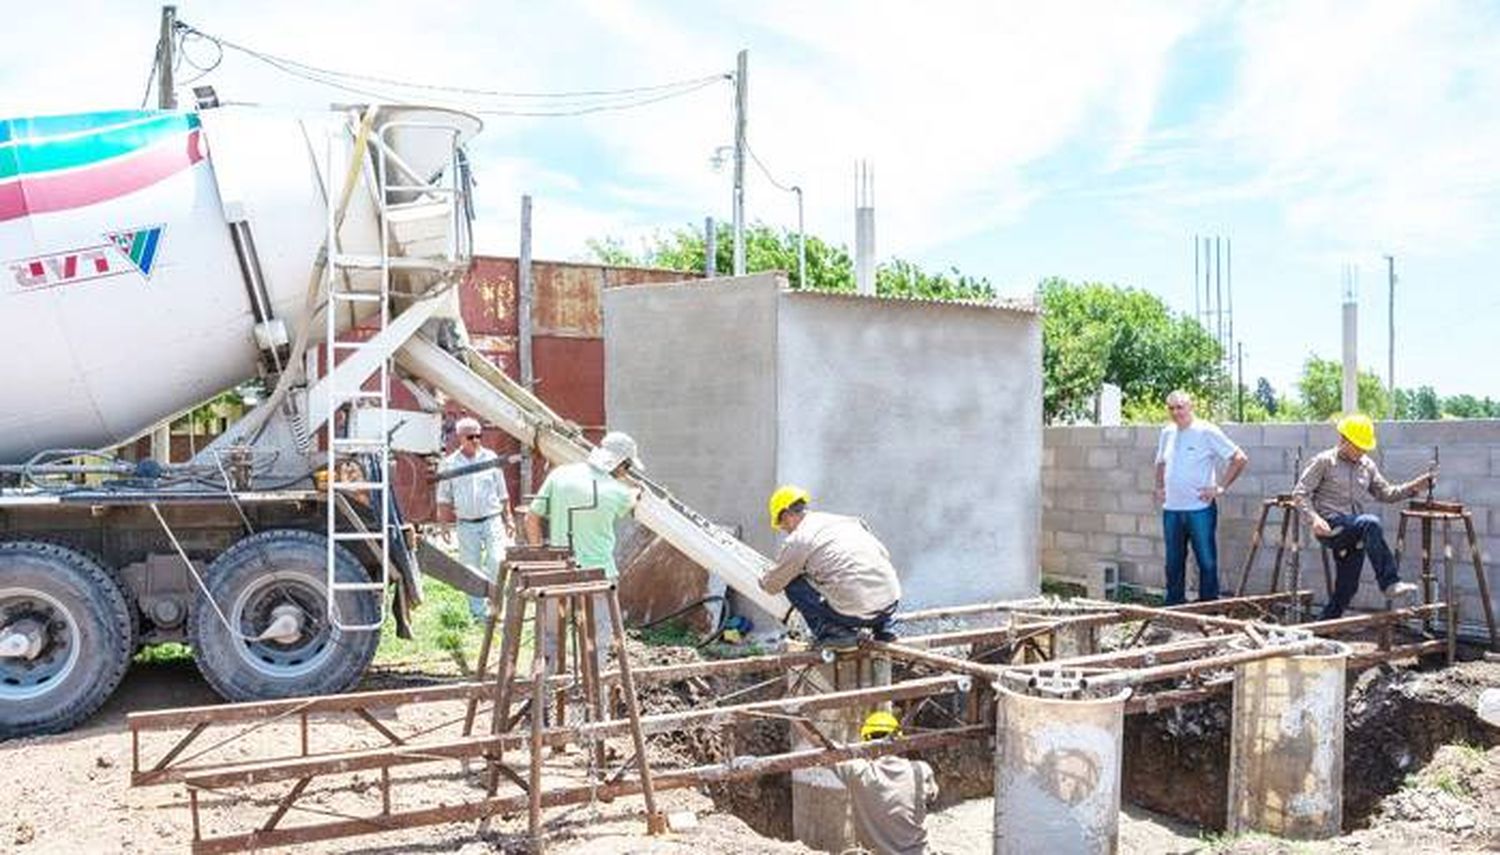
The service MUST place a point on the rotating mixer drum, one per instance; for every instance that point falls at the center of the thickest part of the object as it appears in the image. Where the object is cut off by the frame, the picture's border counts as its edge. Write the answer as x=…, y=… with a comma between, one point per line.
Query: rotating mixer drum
x=122, y=296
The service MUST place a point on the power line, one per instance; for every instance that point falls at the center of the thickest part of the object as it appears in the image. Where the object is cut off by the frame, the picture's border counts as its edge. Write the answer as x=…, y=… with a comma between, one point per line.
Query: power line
x=766, y=172
x=589, y=100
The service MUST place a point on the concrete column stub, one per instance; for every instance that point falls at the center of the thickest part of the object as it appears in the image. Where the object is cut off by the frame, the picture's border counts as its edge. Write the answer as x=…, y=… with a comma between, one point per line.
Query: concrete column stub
x=1286, y=749
x=1057, y=773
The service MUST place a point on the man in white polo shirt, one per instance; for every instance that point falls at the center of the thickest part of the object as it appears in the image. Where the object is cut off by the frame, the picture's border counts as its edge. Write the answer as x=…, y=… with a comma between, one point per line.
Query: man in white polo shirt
x=478, y=504
x=1189, y=457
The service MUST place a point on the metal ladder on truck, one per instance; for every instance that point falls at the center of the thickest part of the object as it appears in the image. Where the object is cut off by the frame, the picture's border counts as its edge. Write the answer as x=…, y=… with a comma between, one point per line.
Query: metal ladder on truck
x=415, y=213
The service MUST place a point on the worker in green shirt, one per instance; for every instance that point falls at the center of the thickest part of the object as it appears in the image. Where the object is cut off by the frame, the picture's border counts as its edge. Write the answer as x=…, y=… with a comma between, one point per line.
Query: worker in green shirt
x=579, y=503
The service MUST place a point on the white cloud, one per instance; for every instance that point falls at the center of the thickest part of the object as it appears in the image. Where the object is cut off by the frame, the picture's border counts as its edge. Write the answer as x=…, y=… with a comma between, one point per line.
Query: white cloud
x=1369, y=128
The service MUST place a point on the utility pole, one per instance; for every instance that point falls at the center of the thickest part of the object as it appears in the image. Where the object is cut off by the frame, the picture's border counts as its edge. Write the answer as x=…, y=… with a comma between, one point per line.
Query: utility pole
x=1229, y=292
x=741, y=100
x=1197, y=293
x=166, y=96
x=710, y=248
x=166, y=99
x=1239, y=392
x=1390, y=367
x=524, y=299
x=801, y=241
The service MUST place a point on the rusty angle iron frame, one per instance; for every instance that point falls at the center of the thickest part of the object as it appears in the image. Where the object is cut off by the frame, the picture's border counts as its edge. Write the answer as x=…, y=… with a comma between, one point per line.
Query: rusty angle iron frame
x=1022, y=650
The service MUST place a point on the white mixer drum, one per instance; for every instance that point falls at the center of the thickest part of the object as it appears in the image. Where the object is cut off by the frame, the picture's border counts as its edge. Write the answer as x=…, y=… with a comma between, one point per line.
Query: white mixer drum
x=120, y=293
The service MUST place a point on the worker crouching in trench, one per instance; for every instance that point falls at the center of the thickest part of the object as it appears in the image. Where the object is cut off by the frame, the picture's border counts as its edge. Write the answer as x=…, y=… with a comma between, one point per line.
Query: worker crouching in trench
x=833, y=570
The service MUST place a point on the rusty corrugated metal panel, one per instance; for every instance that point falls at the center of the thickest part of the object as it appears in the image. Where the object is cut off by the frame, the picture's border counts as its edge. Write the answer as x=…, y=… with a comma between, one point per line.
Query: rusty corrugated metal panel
x=487, y=296
x=644, y=276
x=567, y=352
x=570, y=377
x=567, y=294
x=567, y=300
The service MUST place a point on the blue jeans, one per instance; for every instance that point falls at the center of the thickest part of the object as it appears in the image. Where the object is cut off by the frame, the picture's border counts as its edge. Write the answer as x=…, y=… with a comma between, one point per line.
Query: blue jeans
x=823, y=620
x=1197, y=528
x=1355, y=537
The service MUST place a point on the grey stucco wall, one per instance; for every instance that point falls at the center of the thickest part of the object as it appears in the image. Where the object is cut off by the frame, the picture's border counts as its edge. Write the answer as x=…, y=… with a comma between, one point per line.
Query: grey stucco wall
x=923, y=418
x=690, y=372
x=1097, y=499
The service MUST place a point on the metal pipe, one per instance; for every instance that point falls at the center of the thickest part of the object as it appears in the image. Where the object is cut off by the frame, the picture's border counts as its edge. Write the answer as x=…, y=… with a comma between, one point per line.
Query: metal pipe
x=1141, y=676
x=988, y=673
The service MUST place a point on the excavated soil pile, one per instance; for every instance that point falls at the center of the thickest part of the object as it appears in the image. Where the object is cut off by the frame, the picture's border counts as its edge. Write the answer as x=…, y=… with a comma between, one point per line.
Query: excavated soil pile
x=1399, y=719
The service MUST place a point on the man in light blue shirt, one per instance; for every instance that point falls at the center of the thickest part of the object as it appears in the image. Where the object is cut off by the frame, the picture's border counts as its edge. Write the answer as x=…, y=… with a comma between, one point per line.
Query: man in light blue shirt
x=1190, y=454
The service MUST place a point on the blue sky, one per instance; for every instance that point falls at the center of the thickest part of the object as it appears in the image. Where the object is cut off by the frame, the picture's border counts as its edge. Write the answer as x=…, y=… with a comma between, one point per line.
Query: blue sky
x=1013, y=141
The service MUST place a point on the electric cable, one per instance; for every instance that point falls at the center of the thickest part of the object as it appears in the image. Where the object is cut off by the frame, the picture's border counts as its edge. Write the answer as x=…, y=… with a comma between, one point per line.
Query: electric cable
x=583, y=101
x=766, y=172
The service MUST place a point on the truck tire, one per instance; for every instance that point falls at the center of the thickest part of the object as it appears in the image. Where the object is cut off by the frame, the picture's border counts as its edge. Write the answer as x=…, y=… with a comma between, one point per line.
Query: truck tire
x=249, y=582
x=84, y=635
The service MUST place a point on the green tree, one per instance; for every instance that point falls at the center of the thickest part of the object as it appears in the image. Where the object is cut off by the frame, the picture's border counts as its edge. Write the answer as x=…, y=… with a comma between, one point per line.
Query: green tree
x=1426, y=404
x=1464, y=406
x=1094, y=333
x=829, y=266
x=1417, y=404
x=1321, y=387
x=902, y=278
x=1265, y=396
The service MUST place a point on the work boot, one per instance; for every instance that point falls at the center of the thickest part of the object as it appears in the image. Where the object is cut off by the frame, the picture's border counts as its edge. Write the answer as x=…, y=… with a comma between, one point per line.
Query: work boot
x=1398, y=590
x=885, y=635
x=838, y=639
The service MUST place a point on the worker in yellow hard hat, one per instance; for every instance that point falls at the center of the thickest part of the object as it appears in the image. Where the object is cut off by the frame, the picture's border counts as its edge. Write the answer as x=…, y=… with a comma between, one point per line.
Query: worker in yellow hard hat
x=889, y=795
x=1328, y=496
x=833, y=570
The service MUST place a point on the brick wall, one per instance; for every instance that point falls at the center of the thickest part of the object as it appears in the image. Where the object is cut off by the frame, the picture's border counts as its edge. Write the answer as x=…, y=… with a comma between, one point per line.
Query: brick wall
x=1097, y=500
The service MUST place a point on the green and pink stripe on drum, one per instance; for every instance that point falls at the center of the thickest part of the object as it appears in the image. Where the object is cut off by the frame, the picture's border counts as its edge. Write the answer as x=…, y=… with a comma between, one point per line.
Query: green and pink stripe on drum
x=58, y=163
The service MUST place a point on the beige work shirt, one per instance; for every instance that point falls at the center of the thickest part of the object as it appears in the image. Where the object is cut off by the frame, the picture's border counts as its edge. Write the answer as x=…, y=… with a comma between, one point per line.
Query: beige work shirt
x=1332, y=485
x=842, y=559
x=888, y=797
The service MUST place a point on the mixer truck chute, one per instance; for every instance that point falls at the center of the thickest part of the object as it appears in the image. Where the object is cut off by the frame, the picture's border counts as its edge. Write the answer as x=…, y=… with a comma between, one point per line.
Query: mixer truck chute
x=151, y=260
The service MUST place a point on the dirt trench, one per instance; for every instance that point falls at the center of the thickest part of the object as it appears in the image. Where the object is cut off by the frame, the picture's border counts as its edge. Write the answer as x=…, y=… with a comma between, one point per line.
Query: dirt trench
x=1177, y=762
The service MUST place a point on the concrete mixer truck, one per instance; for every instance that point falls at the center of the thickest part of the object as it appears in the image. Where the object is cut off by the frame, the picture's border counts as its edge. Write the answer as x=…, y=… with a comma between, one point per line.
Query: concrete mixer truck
x=150, y=260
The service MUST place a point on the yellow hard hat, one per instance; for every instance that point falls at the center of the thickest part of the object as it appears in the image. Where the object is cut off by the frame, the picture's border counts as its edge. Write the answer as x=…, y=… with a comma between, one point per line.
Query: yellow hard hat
x=1358, y=429
x=880, y=724
x=785, y=496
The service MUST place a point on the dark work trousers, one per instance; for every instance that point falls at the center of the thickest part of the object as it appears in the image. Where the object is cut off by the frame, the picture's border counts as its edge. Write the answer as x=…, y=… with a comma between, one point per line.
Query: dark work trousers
x=1355, y=537
x=823, y=620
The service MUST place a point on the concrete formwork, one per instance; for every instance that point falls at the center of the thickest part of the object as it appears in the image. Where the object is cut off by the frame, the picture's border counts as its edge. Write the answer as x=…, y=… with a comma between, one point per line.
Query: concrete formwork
x=923, y=417
x=1057, y=773
x=1286, y=747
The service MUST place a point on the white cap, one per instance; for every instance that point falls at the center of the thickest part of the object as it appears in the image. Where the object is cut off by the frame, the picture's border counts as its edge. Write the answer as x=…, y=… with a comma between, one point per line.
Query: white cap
x=615, y=448
x=466, y=426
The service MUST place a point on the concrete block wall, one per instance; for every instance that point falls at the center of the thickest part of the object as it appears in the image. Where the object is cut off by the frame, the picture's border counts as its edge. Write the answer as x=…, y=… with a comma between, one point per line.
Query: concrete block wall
x=1097, y=501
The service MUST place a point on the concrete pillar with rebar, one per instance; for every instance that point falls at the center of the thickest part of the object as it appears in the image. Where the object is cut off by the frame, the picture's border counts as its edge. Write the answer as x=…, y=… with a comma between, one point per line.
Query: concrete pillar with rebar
x=1286, y=749
x=1057, y=770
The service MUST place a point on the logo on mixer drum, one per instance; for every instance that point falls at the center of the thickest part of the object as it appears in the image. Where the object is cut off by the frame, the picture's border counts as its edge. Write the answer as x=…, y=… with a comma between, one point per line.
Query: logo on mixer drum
x=131, y=250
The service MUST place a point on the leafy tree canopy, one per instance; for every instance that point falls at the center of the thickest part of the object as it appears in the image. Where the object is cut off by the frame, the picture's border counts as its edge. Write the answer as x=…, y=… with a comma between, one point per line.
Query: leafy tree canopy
x=830, y=267
x=1094, y=333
